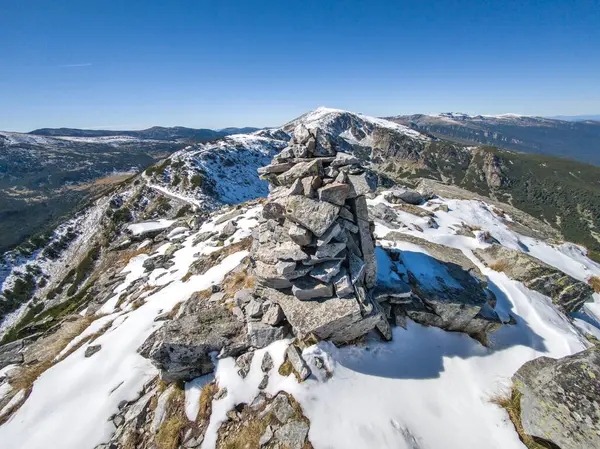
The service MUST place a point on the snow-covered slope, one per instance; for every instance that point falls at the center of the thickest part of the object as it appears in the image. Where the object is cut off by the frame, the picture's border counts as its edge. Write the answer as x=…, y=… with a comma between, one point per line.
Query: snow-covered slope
x=426, y=389
x=219, y=172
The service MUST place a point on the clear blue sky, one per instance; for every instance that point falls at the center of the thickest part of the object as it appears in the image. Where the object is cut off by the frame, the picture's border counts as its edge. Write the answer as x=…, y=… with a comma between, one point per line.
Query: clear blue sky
x=133, y=64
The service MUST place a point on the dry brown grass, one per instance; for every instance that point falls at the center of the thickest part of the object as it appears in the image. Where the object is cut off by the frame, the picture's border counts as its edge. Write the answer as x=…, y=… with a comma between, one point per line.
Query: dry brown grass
x=500, y=265
x=137, y=303
x=512, y=404
x=237, y=281
x=27, y=375
x=127, y=255
x=89, y=339
x=169, y=432
x=247, y=437
x=594, y=282
x=206, y=397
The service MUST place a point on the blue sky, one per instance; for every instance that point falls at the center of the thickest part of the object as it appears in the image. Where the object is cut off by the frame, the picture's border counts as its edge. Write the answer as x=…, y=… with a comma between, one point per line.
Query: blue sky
x=134, y=64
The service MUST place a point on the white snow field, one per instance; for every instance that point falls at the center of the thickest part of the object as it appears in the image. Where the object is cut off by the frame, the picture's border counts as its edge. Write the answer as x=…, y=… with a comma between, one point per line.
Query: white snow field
x=427, y=389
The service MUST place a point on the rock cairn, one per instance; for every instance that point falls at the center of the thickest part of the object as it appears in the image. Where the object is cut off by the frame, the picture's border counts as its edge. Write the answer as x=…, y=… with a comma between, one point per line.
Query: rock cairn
x=313, y=251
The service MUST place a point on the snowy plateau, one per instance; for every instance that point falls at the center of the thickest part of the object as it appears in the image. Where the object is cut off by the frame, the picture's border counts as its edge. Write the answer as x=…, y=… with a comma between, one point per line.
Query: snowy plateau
x=74, y=376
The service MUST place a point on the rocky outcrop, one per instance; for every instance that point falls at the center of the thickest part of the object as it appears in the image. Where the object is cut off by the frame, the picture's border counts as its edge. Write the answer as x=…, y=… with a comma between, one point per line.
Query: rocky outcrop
x=181, y=349
x=448, y=290
x=565, y=291
x=313, y=249
x=560, y=399
x=11, y=353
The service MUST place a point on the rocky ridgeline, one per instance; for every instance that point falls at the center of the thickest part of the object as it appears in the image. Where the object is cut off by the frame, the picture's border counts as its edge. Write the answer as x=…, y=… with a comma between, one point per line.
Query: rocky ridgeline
x=314, y=251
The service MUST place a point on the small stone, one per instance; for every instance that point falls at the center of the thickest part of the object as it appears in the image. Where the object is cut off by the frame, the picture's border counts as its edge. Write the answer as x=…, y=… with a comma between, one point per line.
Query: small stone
x=292, y=434
x=345, y=224
x=330, y=250
x=274, y=168
x=264, y=382
x=244, y=362
x=280, y=407
x=302, y=134
x=325, y=271
x=310, y=186
x=243, y=296
x=343, y=159
x=267, y=363
x=300, y=235
x=284, y=267
x=357, y=268
x=347, y=215
x=361, y=184
x=332, y=233
x=296, y=189
x=308, y=288
x=300, y=170
x=254, y=309
x=343, y=284
x=228, y=230
x=221, y=393
x=335, y=193
x=266, y=437
x=148, y=264
x=273, y=211
x=91, y=350
x=261, y=335
x=300, y=151
x=274, y=315
x=294, y=355
x=118, y=420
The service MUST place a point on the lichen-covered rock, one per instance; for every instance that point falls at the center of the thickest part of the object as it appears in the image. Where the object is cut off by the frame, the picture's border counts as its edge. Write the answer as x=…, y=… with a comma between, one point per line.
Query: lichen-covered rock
x=181, y=348
x=565, y=291
x=560, y=399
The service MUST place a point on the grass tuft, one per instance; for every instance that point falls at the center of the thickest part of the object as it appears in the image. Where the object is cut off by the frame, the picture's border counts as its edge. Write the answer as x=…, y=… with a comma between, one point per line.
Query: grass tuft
x=500, y=265
x=512, y=404
x=594, y=282
x=206, y=397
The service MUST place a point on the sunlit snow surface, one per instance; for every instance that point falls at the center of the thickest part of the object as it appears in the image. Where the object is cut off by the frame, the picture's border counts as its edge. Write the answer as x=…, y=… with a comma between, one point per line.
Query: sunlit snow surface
x=427, y=389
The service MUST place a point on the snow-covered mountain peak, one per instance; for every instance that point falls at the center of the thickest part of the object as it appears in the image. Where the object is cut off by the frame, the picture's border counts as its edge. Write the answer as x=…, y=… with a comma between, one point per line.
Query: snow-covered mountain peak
x=345, y=123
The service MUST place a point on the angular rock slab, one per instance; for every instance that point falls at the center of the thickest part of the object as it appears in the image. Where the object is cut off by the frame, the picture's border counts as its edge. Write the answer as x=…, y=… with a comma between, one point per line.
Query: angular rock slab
x=337, y=319
x=566, y=292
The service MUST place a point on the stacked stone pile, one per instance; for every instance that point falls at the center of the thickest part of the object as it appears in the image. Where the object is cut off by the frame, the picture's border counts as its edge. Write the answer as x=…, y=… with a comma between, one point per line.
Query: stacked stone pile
x=314, y=251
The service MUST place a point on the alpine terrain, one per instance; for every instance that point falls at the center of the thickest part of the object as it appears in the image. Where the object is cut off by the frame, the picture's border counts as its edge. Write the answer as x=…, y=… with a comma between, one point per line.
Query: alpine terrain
x=341, y=281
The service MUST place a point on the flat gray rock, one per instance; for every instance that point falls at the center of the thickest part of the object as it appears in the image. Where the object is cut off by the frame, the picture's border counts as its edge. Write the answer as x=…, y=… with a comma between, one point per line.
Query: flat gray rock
x=308, y=288
x=292, y=434
x=317, y=216
x=335, y=193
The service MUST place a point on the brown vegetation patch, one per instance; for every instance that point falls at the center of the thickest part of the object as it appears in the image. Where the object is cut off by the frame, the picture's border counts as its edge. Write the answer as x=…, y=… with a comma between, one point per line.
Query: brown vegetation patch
x=206, y=397
x=127, y=255
x=594, y=282
x=170, y=431
x=500, y=265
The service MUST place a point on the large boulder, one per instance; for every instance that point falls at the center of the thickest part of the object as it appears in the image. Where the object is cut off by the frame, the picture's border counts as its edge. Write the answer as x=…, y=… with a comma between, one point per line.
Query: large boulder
x=565, y=291
x=449, y=291
x=181, y=349
x=560, y=399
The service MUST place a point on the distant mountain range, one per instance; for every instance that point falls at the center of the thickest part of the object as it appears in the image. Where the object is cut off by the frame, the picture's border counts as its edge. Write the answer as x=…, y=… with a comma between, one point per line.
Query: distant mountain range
x=577, y=118
x=579, y=140
x=155, y=133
